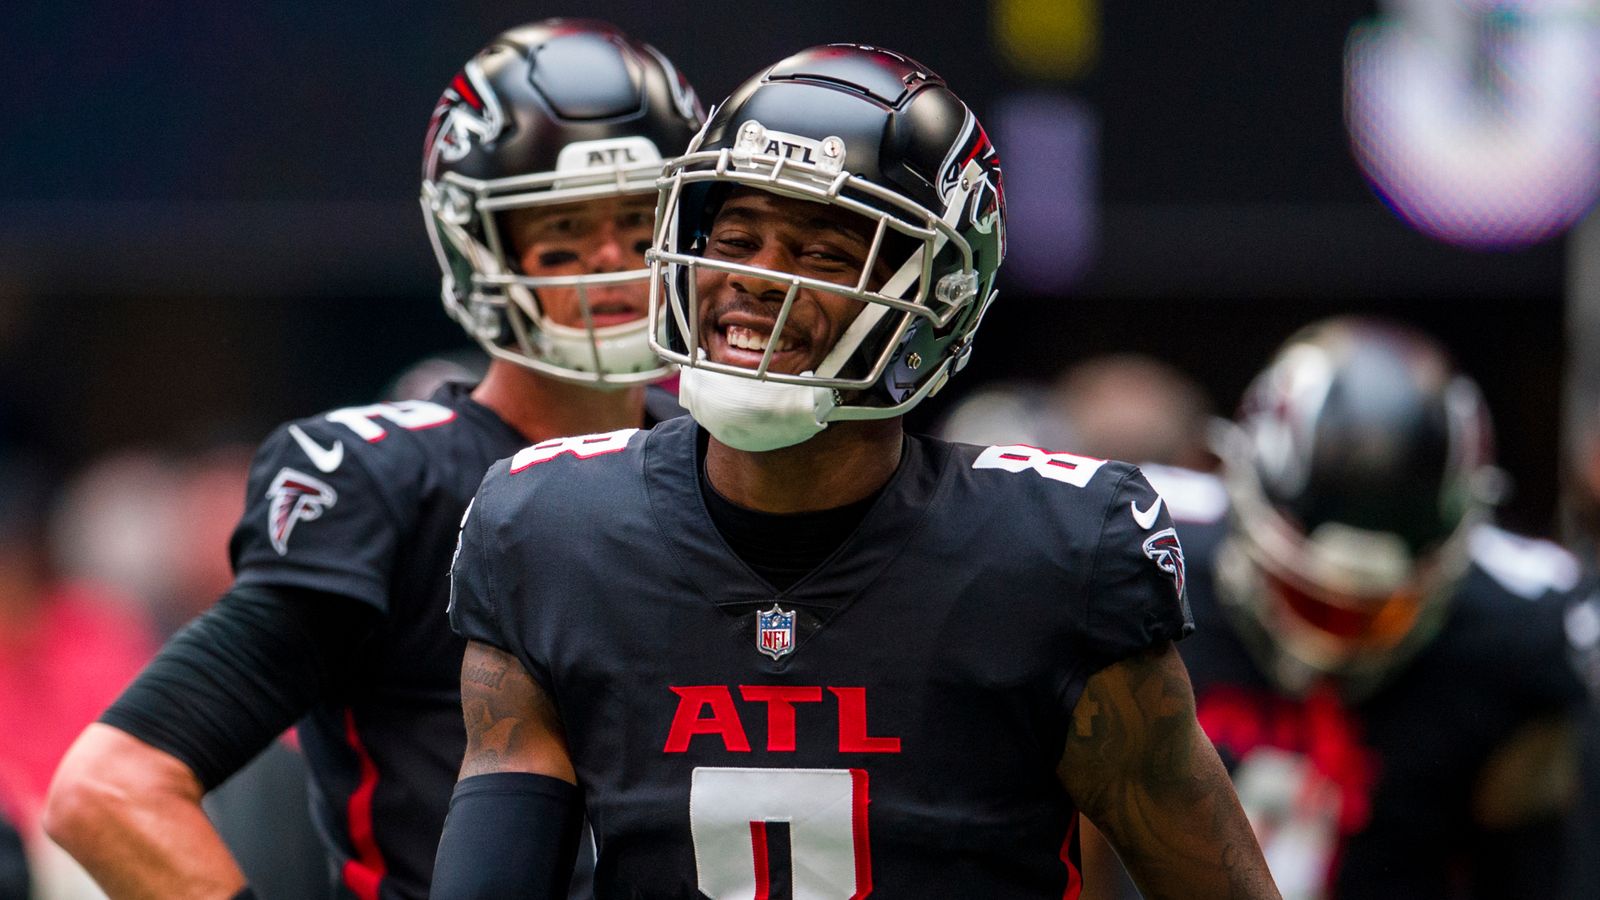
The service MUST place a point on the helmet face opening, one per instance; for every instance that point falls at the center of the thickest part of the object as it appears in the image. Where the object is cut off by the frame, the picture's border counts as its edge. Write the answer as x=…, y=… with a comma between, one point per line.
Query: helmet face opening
x=557, y=118
x=587, y=322
x=1358, y=622
x=891, y=286
x=928, y=255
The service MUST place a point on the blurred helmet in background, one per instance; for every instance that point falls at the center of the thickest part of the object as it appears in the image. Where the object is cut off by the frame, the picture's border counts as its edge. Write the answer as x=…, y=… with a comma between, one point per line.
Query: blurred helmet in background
x=553, y=112
x=1359, y=465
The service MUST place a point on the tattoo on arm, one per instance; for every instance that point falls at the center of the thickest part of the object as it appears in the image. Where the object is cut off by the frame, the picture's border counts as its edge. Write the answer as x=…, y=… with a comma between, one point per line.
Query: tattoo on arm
x=483, y=674
x=512, y=724
x=1141, y=769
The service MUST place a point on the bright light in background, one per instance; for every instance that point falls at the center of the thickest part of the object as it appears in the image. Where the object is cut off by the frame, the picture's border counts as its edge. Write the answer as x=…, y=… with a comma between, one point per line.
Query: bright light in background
x=1049, y=140
x=1479, y=120
x=1057, y=39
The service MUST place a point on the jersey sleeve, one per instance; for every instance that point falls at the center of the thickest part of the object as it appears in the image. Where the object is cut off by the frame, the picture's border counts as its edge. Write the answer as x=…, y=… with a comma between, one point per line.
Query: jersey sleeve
x=482, y=577
x=472, y=609
x=1135, y=590
x=317, y=518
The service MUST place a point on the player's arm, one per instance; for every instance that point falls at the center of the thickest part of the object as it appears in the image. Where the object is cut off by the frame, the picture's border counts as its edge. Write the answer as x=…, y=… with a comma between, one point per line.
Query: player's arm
x=1522, y=803
x=1523, y=806
x=131, y=815
x=1139, y=766
x=125, y=801
x=516, y=813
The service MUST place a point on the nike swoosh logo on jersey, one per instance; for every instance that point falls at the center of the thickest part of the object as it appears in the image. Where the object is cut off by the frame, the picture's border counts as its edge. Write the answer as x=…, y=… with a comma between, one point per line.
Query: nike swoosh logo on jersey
x=1146, y=518
x=326, y=459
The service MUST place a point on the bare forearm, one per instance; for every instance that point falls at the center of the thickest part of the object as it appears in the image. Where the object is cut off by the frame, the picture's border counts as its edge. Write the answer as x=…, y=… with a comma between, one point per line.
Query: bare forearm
x=1140, y=767
x=131, y=816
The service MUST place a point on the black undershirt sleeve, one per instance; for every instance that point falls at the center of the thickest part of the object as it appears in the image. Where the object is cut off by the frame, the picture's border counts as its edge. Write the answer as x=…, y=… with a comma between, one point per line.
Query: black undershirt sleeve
x=241, y=673
x=508, y=834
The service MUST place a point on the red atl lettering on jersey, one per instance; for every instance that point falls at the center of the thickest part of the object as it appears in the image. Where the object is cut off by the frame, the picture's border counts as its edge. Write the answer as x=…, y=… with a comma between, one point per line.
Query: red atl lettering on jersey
x=780, y=700
x=724, y=721
x=853, y=736
x=710, y=710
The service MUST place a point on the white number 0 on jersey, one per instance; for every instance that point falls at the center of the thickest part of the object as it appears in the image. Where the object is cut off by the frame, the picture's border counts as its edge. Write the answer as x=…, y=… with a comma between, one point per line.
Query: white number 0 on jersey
x=825, y=809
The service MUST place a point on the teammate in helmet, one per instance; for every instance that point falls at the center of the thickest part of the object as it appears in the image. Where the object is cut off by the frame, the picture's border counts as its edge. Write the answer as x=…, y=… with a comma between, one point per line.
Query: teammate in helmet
x=538, y=190
x=1388, y=676
x=729, y=638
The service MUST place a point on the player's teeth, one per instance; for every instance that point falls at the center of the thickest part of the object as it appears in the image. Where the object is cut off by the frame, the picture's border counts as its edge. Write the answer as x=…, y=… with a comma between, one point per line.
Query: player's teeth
x=747, y=339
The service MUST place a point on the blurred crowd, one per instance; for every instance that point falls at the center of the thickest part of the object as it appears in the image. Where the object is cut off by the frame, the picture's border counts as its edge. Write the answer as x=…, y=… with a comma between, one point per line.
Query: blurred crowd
x=98, y=566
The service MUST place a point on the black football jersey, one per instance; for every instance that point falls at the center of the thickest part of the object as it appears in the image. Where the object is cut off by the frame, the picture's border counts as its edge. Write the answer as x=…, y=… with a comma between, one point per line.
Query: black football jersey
x=365, y=502
x=891, y=723
x=1373, y=798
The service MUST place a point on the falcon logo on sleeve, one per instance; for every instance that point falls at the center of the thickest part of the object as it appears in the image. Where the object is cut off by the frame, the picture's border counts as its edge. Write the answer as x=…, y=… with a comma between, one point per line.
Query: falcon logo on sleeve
x=1165, y=551
x=294, y=497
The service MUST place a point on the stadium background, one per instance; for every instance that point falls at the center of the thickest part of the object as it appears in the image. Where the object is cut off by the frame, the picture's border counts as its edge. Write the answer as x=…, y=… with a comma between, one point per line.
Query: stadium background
x=209, y=222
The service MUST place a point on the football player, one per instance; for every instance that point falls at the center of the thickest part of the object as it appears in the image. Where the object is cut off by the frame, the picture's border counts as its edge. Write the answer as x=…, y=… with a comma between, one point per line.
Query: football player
x=538, y=191
x=1388, y=676
x=784, y=649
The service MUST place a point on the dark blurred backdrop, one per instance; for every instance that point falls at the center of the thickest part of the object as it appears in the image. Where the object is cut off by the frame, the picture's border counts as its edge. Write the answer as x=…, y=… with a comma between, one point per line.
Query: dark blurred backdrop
x=208, y=219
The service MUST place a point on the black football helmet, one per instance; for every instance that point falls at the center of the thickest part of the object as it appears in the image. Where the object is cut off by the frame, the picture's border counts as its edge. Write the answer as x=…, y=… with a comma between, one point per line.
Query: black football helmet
x=1358, y=469
x=551, y=112
x=880, y=135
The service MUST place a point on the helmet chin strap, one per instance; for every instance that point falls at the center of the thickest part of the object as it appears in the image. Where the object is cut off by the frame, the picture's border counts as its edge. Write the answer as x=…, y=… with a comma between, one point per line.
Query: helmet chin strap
x=752, y=415
x=622, y=348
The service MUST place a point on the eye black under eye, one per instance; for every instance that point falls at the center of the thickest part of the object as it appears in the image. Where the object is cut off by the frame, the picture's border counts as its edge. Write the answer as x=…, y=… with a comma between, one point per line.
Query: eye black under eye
x=557, y=257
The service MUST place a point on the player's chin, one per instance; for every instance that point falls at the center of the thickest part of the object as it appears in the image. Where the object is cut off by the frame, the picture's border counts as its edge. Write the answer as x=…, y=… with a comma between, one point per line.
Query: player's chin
x=604, y=319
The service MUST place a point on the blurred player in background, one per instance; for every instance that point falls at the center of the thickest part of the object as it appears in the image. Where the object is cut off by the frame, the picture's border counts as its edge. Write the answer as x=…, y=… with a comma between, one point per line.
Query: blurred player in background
x=793, y=651
x=1134, y=407
x=1581, y=509
x=1390, y=678
x=538, y=188
x=1005, y=412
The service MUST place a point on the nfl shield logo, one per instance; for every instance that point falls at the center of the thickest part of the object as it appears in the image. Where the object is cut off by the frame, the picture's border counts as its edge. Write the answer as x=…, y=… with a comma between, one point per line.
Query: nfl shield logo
x=775, y=632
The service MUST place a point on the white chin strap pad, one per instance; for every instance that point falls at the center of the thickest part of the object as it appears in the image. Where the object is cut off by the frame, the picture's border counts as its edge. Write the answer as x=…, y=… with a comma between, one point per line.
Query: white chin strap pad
x=623, y=348
x=756, y=416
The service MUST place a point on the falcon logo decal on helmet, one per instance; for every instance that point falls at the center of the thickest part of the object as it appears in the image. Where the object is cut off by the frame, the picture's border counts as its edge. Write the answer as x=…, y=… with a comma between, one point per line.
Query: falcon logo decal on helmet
x=467, y=111
x=974, y=163
x=1165, y=551
x=294, y=497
